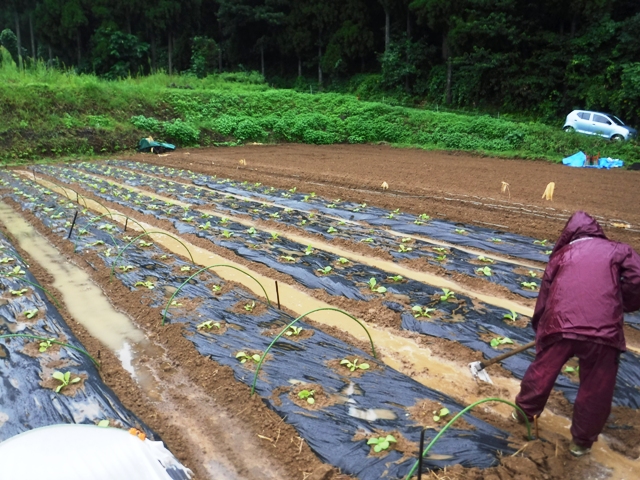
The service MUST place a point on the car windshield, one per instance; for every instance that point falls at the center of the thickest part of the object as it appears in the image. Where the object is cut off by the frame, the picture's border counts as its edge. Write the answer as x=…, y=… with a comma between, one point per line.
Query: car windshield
x=615, y=120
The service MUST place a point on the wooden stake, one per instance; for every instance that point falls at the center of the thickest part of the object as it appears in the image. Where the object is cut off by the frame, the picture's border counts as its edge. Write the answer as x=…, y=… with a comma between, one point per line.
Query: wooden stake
x=278, y=295
x=126, y=221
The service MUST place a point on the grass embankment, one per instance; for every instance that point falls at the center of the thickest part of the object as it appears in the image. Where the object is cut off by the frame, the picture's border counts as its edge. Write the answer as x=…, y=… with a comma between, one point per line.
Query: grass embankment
x=49, y=113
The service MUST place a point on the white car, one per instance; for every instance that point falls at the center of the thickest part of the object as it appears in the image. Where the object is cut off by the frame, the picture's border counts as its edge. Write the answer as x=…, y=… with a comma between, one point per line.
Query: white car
x=598, y=123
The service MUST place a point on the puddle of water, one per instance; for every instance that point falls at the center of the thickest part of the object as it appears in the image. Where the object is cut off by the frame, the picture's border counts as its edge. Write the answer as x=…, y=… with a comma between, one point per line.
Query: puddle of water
x=372, y=414
x=397, y=352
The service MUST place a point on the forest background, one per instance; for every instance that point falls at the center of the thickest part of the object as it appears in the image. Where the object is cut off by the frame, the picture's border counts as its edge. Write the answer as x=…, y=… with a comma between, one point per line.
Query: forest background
x=512, y=65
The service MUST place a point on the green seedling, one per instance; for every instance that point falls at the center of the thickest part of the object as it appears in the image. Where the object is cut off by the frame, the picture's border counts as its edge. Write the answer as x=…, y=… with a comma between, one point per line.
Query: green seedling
x=530, y=285
x=441, y=258
x=353, y=366
x=206, y=215
x=307, y=395
x=342, y=222
x=44, y=346
x=381, y=443
x=497, y=341
x=439, y=415
x=406, y=240
x=188, y=219
x=64, y=379
x=541, y=242
x=216, y=288
x=288, y=258
x=31, y=313
x=107, y=252
x=367, y=240
x=325, y=271
x=19, y=293
x=186, y=268
x=227, y=234
x=57, y=216
x=126, y=268
x=548, y=252
x=108, y=227
x=286, y=195
x=439, y=249
x=83, y=231
x=308, y=250
x=572, y=370
x=209, y=325
x=293, y=190
x=175, y=303
x=343, y=260
x=251, y=231
x=484, y=259
x=274, y=215
x=147, y=284
x=243, y=357
x=374, y=287
x=311, y=215
x=495, y=240
x=205, y=226
x=305, y=198
x=404, y=249
x=391, y=215
x=533, y=274
x=513, y=316
x=423, y=217
x=461, y=231
x=332, y=230
x=486, y=271
x=312, y=194
x=419, y=311
x=274, y=236
x=446, y=295
x=96, y=243
x=396, y=278
x=223, y=221
x=250, y=306
x=303, y=222
x=293, y=331
x=164, y=257
x=127, y=238
x=144, y=244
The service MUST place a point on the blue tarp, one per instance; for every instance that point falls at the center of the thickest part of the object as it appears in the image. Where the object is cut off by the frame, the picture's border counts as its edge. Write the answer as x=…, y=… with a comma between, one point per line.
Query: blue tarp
x=579, y=159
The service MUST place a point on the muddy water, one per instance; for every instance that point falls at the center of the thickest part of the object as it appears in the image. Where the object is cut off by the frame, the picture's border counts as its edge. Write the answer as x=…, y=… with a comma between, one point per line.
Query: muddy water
x=87, y=304
x=400, y=353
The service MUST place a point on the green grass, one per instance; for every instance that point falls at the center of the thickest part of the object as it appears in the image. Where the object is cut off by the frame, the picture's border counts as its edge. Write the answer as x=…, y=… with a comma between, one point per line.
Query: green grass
x=51, y=113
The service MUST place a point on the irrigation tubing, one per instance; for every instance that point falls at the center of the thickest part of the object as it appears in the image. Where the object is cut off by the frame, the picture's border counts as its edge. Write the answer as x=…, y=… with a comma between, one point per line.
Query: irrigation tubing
x=284, y=330
x=462, y=412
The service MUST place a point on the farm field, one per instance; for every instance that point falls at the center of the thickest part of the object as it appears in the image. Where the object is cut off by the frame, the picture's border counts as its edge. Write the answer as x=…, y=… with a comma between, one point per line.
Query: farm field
x=277, y=314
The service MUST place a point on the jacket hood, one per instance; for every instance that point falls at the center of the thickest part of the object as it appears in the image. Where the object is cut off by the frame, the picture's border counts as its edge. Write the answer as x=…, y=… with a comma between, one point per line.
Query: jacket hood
x=580, y=225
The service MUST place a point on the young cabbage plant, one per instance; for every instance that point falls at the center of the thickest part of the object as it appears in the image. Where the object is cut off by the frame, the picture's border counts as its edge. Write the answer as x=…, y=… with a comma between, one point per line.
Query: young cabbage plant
x=446, y=295
x=374, y=287
x=548, y=252
x=495, y=240
x=186, y=268
x=250, y=306
x=533, y=274
x=251, y=231
x=223, y=221
x=275, y=215
x=216, y=289
x=332, y=230
x=6, y=259
x=353, y=366
x=572, y=370
x=324, y=271
x=64, y=379
x=486, y=271
x=227, y=234
x=513, y=316
x=288, y=258
x=307, y=395
x=293, y=331
x=209, y=325
x=308, y=250
x=144, y=244
x=19, y=293
x=484, y=259
x=404, y=249
x=529, y=285
x=126, y=268
x=541, y=242
x=244, y=357
x=274, y=236
x=396, y=278
x=497, y=341
x=343, y=260
x=31, y=313
x=147, y=284
x=440, y=414
x=367, y=240
x=44, y=346
x=439, y=249
x=419, y=311
x=205, y=226
x=381, y=443
x=15, y=272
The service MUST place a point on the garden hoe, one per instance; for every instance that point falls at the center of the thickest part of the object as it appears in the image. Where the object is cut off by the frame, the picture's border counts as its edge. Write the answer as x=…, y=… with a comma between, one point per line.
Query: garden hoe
x=478, y=368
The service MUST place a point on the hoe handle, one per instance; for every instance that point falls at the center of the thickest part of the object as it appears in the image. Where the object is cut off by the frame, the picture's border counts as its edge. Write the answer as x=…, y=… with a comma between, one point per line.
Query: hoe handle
x=521, y=348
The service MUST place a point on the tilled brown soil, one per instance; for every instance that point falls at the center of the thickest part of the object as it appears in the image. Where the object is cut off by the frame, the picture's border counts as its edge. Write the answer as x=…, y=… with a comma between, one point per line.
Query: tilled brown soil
x=458, y=187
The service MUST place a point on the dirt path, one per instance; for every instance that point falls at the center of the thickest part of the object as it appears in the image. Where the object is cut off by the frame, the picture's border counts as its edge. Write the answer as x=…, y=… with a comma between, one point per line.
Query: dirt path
x=458, y=187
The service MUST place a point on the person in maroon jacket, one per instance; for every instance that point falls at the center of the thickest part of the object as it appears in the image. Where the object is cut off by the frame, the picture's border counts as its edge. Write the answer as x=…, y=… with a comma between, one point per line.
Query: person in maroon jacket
x=587, y=286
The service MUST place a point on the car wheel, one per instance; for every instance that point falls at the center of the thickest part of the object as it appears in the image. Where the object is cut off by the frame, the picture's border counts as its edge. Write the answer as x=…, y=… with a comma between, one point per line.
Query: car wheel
x=569, y=129
x=617, y=138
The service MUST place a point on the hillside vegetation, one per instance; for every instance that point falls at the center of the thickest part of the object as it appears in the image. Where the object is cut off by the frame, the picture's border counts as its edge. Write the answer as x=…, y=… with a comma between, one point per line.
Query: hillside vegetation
x=52, y=113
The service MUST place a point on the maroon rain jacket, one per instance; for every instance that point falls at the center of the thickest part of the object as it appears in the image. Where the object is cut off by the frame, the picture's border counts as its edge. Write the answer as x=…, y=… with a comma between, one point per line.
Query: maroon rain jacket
x=587, y=286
